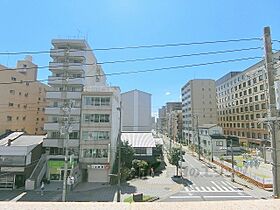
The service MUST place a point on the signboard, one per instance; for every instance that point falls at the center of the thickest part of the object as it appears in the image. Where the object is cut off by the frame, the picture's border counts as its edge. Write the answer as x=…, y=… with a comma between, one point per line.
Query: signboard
x=12, y=169
x=97, y=166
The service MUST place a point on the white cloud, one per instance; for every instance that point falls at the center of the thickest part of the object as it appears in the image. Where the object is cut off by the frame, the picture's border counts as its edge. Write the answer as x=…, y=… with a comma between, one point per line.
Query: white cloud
x=167, y=93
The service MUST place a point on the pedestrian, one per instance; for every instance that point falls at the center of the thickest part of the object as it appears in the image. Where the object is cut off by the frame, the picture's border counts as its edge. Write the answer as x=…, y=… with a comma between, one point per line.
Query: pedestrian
x=69, y=182
x=42, y=188
x=152, y=172
x=72, y=182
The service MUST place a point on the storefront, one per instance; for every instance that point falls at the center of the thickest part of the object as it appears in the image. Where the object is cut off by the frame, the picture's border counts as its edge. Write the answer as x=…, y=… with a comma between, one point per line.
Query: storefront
x=97, y=173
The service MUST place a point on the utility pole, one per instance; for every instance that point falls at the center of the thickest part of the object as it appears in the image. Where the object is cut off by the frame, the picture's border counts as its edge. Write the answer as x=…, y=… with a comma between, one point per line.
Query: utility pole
x=119, y=155
x=272, y=113
x=65, y=129
x=198, y=137
x=232, y=163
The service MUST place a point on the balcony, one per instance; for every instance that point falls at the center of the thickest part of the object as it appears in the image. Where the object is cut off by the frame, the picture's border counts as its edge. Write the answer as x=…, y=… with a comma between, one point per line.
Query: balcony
x=75, y=67
x=58, y=111
x=72, y=53
x=57, y=126
x=59, y=81
x=60, y=95
x=60, y=143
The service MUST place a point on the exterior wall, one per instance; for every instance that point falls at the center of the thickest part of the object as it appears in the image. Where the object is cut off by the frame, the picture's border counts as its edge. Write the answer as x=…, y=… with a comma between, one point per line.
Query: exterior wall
x=22, y=104
x=212, y=141
x=198, y=105
x=109, y=144
x=136, y=115
x=242, y=101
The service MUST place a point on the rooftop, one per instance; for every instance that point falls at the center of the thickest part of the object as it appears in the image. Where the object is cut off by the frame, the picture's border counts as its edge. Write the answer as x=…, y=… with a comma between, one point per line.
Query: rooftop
x=139, y=139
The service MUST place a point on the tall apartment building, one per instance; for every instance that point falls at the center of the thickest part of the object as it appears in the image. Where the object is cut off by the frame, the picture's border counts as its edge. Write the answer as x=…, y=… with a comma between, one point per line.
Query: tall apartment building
x=99, y=129
x=161, y=121
x=242, y=99
x=170, y=107
x=136, y=115
x=22, y=98
x=198, y=106
x=176, y=121
x=77, y=81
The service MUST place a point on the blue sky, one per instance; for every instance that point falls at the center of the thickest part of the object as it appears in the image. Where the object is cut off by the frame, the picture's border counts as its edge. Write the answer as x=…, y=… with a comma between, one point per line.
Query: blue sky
x=30, y=25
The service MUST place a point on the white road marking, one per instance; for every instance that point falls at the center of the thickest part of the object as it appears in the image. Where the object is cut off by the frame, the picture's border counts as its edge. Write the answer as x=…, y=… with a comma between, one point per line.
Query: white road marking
x=183, y=196
x=18, y=197
x=229, y=196
x=203, y=189
x=217, y=186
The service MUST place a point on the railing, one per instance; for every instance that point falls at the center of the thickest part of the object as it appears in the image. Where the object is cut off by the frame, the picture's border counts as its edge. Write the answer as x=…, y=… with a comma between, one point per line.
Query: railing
x=37, y=174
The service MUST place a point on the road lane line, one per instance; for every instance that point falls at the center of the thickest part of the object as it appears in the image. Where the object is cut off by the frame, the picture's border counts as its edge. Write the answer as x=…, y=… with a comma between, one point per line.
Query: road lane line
x=18, y=197
x=184, y=196
x=208, y=189
x=229, y=196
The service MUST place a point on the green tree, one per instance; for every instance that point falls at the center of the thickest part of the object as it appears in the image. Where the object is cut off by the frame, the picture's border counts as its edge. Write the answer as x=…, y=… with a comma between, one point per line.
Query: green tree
x=175, y=157
x=140, y=166
x=127, y=155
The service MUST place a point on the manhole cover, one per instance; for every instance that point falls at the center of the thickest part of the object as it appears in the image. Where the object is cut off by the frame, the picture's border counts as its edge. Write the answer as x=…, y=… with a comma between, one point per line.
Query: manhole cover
x=167, y=188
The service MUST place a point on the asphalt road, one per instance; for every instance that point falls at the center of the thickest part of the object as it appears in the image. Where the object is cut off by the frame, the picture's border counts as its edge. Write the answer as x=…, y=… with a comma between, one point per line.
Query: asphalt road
x=203, y=184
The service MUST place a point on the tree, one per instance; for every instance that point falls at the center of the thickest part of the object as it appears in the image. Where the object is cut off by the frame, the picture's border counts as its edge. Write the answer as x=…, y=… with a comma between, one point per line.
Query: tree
x=127, y=155
x=140, y=166
x=175, y=157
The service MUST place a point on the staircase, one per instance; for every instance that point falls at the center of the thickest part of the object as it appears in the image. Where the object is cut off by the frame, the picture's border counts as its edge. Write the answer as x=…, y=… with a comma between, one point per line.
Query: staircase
x=38, y=173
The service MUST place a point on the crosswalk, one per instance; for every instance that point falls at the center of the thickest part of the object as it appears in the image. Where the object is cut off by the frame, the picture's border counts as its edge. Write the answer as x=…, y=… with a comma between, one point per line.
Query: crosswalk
x=218, y=186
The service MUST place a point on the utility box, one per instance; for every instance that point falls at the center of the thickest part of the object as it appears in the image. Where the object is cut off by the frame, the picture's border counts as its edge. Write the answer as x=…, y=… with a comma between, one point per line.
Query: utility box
x=138, y=197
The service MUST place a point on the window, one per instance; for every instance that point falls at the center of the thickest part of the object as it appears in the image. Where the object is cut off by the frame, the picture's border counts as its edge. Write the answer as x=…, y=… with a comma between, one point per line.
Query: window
x=219, y=143
x=12, y=92
x=263, y=106
x=256, y=98
x=262, y=96
x=13, y=79
x=24, y=118
x=95, y=153
x=261, y=87
x=74, y=135
x=9, y=118
x=11, y=104
x=97, y=101
x=96, y=135
x=140, y=151
x=97, y=118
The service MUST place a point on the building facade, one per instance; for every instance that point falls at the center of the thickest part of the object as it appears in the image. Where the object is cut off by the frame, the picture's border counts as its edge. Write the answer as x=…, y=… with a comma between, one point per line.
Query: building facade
x=198, y=106
x=242, y=99
x=136, y=115
x=99, y=131
x=176, y=124
x=22, y=98
x=172, y=117
x=81, y=98
x=161, y=121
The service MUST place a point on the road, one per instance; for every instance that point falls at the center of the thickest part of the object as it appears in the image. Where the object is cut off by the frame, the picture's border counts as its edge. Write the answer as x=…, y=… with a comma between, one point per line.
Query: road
x=204, y=184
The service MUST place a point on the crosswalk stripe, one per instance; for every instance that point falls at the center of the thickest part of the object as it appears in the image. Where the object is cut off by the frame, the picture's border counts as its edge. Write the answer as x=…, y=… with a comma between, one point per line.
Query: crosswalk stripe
x=228, y=185
x=216, y=185
x=203, y=189
x=208, y=188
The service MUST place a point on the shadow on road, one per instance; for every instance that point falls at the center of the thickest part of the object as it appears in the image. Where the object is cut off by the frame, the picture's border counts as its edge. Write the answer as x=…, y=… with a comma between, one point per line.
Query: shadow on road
x=180, y=180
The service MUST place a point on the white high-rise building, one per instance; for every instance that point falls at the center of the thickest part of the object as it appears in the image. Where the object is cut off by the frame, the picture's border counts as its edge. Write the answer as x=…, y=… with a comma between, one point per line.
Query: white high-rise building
x=78, y=82
x=136, y=115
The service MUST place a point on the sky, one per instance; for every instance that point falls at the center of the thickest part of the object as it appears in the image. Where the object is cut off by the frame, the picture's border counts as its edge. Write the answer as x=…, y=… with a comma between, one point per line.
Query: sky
x=30, y=25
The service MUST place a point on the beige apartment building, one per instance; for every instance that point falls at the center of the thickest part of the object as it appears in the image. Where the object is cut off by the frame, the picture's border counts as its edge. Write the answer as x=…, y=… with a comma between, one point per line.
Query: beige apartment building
x=22, y=98
x=198, y=107
x=242, y=100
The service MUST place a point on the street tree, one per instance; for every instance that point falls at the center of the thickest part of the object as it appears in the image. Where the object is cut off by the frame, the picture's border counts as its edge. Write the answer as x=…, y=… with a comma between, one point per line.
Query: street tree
x=175, y=157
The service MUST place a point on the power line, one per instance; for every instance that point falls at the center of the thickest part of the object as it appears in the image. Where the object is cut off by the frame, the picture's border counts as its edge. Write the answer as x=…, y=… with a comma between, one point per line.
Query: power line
x=136, y=47
x=179, y=56
x=138, y=59
x=152, y=70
